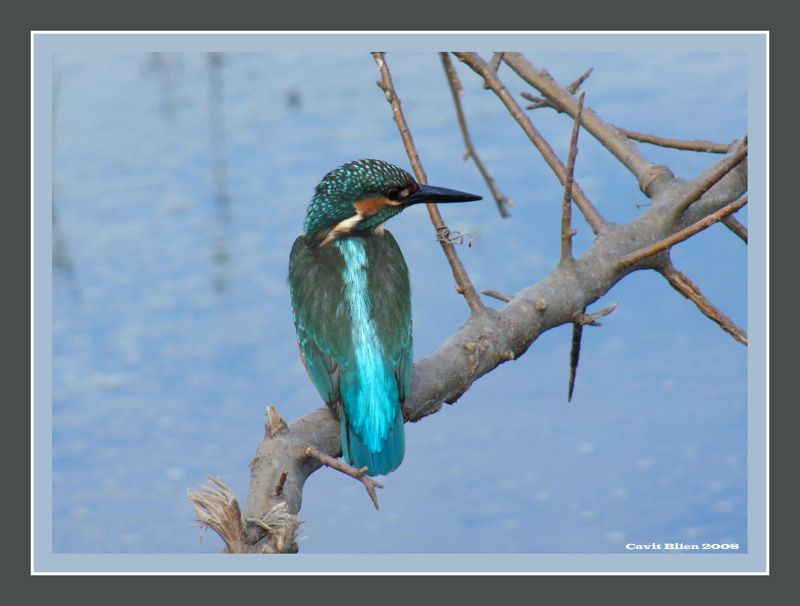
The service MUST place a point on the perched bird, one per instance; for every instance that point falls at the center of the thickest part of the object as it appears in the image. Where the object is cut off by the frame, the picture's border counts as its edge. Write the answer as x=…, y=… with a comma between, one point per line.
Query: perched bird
x=351, y=302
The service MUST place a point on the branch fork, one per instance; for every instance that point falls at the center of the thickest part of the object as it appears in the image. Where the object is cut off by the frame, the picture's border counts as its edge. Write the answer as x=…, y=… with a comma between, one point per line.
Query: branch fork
x=359, y=474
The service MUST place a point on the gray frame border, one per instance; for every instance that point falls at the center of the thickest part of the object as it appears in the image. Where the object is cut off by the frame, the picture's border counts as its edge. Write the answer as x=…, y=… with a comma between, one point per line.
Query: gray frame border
x=755, y=561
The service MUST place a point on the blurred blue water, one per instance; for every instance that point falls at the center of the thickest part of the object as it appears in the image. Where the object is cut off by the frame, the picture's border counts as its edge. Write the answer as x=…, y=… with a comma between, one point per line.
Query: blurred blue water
x=180, y=182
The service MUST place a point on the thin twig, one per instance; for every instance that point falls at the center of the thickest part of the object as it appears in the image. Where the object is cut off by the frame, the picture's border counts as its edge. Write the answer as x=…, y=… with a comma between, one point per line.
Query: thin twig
x=736, y=227
x=459, y=273
x=691, y=291
x=683, y=234
x=574, y=357
x=455, y=87
x=572, y=88
x=496, y=294
x=697, y=145
x=580, y=320
x=480, y=67
x=497, y=59
x=591, y=319
x=566, y=202
x=647, y=173
x=722, y=169
x=281, y=482
x=359, y=474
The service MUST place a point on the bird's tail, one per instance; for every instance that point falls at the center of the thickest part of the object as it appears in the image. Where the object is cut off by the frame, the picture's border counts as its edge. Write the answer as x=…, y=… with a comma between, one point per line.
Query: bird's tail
x=388, y=459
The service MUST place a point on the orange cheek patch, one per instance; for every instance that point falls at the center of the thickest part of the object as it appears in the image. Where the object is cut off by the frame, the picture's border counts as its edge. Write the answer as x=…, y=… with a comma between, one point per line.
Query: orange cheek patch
x=371, y=206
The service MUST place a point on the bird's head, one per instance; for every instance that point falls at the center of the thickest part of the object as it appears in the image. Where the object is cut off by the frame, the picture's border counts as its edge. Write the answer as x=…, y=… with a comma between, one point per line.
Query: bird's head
x=362, y=194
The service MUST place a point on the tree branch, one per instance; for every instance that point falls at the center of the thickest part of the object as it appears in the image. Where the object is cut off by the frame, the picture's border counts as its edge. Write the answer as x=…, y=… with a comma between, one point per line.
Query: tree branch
x=480, y=67
x=482, y=344
x=359, y=474
x=680, y=282
x=736, y=227
x=496, y=295
x=649, y=175
x=486, y=340
x=574, y=357
x=572, y=88
x=697, y=145
x=591, y=319
x=713, y=177
x=685, y=233
x=455, y=88
x=566, y=202
x=463, y=281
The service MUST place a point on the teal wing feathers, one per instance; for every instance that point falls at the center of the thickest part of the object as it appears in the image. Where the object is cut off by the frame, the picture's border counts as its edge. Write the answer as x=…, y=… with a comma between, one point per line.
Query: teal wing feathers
x=356, y=339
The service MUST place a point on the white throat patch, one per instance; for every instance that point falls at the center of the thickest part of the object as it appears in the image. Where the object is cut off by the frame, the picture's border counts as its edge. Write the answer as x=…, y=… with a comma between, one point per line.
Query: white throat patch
x=343, y=227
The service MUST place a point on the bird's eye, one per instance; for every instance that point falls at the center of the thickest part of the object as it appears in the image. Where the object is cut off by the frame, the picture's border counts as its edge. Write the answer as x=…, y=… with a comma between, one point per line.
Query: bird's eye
x=403, y=193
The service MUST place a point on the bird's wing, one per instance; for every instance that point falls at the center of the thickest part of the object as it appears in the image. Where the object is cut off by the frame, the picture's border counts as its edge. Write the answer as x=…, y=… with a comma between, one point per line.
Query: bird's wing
x=322, y=317
x=391, y=306
x=322, y=329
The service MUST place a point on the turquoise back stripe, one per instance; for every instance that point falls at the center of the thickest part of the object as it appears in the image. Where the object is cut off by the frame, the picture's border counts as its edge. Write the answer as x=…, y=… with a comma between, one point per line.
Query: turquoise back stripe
x=369, y=390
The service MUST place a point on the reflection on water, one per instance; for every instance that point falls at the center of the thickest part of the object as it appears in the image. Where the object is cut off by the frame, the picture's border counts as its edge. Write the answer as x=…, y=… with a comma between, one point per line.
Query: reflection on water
x=62, y=262
x=163, y=66
x=182, y=332
x=222, y=198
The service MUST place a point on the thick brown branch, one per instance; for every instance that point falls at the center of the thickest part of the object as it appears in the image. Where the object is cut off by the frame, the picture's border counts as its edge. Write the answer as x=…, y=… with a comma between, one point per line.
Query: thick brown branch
x=697, y=145
x=359, y=474
x=483, y=343
x=566, y=202
x=480, y=67
x=691, y=291
x=683, y=234
x=459, y=273
x=712, y=178
x=455, y=88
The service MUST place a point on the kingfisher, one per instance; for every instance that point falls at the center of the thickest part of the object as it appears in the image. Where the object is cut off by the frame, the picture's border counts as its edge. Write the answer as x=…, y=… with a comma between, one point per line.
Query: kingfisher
x=351, y=304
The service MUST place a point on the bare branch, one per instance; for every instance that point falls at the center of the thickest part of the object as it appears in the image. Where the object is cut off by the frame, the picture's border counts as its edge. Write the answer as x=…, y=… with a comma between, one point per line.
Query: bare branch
x=455, y=88
x=683, y=234
x=574, y=357
x=736, y=227
x=576, y=84
x=691, y=291
x=714, y=177
x=650, y=175
x=495, y=294
x=572, y=88
x=591, y=319
x=580, y=320
x=275, y=423
x=480, y=67
x=566, y=202
x=697, y=145
x=459, y=273
x=497, y=59
x=487, y=339
x=359, y=474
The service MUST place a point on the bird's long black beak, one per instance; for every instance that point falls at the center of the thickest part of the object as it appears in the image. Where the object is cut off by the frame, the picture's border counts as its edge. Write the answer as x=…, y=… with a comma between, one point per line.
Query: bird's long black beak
x=429, y=193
